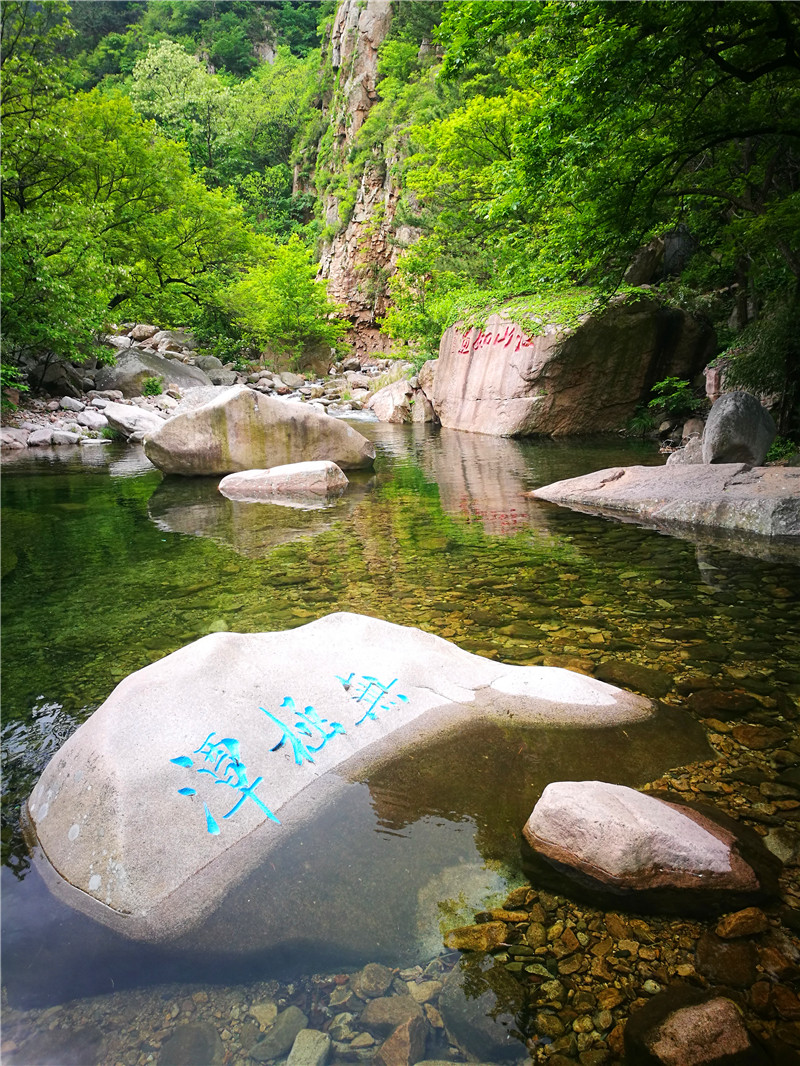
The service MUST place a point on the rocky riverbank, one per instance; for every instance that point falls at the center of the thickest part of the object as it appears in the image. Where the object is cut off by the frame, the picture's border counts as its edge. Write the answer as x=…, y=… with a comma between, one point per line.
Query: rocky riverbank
x=106, y=403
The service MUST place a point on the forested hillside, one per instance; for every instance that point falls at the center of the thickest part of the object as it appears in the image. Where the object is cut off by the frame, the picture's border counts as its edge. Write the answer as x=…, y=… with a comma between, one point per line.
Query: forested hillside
x=215, y=164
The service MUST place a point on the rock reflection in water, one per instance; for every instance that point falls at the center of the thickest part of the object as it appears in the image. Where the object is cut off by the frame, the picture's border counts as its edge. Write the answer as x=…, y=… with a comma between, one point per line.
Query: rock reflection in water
x=485, y=479
x=194, y=506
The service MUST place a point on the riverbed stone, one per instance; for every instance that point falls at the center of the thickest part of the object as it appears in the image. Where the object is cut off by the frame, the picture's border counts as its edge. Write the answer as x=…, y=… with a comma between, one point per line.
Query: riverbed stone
x=319, y=480
x=384, y=1014
x=651, y=682
x=60, y=1047
x=729, y=962
x=684, y=1027
x=142, y=332
x=373, y=981
x=281, y=1036
x=738, y=430
x=748, y=922
x=121, y=773
x=91, y=419
x=473, y=1016
x=69, y=403
x=40, y=438
x=634, y=842
x=265, y=1012
x=481, y=937
x=63, y=436
x=405, y=1046
x=195, y=1044
x=132, y=421
x=239, y=429
x=310, y=1048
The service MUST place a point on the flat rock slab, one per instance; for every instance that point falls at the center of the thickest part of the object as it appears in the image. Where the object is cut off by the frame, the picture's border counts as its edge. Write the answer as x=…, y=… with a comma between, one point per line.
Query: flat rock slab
x=729, y=496
x=200, y=751
x=238, y=429
x=286, y=484
x=633, y=842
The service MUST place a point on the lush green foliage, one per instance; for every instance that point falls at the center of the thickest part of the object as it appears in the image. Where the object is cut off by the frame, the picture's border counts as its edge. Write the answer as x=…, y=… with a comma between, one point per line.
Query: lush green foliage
x=281, y=306
x=152, y=386
x=121, y=202
x=580, y=132
x=781, y=448
x=10, y=378
x=112, y=34
x=765, y=359
x=674, y=396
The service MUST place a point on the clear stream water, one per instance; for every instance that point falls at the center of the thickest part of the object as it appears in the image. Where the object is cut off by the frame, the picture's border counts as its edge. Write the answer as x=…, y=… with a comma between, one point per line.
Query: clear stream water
x=108, y=566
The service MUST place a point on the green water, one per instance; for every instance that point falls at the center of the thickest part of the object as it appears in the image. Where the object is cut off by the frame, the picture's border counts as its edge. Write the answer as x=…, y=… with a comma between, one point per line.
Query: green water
x=108, y=567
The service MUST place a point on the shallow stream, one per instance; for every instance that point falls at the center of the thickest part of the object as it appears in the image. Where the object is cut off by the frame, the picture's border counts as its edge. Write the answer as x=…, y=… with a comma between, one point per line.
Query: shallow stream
x=107, y=566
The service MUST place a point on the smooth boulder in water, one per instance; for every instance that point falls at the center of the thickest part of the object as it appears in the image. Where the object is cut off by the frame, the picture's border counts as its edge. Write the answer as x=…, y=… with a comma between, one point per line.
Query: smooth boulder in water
x=184, y=779
x=239, y=429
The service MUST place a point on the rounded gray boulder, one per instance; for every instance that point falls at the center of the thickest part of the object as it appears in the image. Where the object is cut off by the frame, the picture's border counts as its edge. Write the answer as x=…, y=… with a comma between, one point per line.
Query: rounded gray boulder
x=739, y=430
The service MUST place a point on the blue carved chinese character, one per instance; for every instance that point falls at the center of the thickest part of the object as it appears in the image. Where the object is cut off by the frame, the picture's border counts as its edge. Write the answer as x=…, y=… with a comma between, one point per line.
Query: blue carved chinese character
x=306, y=722
x=373, y=694
x=225, y=768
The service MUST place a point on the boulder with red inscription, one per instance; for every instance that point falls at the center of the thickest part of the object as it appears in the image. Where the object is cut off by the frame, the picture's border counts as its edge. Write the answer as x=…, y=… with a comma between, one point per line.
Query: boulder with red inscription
x=537, y=379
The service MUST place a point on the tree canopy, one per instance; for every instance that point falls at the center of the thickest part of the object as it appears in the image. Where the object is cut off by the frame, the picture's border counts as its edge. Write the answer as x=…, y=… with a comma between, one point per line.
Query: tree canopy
x=140, y=200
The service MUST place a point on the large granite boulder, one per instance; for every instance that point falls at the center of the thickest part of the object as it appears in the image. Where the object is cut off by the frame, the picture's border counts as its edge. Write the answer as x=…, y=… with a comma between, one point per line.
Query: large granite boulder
x=239, y=429
x=179, y=784
x=285, y=484
x=401, y=401
x=634, y=843
x=738, y=430
x=135, y=364
x=508, y=380
x=132, y=421
x=729, y=496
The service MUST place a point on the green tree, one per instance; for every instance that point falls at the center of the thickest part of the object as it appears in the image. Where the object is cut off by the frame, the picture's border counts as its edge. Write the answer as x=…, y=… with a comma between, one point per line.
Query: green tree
x=280, y=304
x=639, y=119
x=238, y=135
x=102, y=215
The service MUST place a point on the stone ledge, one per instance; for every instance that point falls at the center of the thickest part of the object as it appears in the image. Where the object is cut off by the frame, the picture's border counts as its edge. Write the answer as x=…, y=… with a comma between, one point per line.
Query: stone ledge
x=731, y=496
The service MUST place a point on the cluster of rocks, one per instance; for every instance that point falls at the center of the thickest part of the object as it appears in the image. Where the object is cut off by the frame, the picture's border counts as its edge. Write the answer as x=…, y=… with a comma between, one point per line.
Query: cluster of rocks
x=738, y=430
x=172, y=359
x=577, y=983
x=379, y=1014
x=97, y=418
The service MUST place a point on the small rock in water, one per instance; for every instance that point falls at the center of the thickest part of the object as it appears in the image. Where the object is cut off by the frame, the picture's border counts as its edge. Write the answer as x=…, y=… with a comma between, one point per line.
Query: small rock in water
x=405, y=1046
x=193, y=1045
x=682, y=1027
x=372, y=981
x=748, y=922
x=281, y=1036
x=310, y=1048
x=482, y=937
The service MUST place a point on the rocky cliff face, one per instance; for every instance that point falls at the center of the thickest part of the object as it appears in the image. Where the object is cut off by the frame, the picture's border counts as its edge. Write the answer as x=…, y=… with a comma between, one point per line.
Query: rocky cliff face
x=359, y=258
